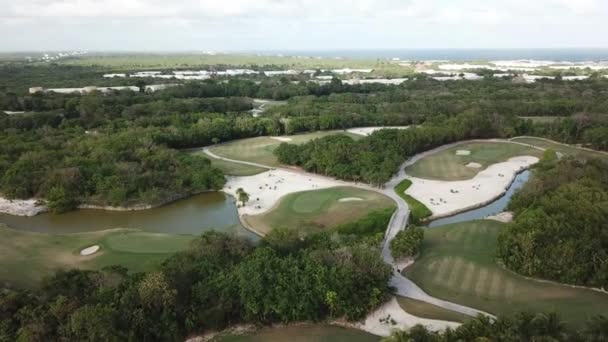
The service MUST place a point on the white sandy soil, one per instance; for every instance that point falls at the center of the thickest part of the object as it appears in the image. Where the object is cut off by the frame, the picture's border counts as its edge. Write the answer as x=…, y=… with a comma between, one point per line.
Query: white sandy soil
x=473, y=165
x=365, y=131
x=30, y=207
x=373, y=325
x=350, y=199
x=504, y=217
x=282, y=139
x=90, y=250
x=266, y=189
x=446, y=198
x=463, y=152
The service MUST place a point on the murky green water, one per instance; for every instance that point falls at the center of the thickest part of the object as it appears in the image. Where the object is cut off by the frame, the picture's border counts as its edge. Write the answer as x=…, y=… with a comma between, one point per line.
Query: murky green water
x=193, y=215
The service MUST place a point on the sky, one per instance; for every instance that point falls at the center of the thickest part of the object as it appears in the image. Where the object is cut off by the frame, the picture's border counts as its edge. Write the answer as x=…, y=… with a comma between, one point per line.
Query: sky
x=259, y=25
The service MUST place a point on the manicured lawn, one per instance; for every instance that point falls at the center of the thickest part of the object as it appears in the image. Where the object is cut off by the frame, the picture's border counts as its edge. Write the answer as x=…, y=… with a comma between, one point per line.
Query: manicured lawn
x=561, y=148
x=418, y=210
x=27, y=257
x=430, y=311
x=260, y=149
x=318, y=209
x=230, y=168
x=303, y=333
x=458, y=264
x=448, y=166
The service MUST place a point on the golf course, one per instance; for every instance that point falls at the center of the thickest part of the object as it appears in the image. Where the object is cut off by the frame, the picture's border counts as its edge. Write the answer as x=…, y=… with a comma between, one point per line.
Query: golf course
x=464, y=161
x=561, y=148
x=458, y=264
x=302, y=333
x=319, y=209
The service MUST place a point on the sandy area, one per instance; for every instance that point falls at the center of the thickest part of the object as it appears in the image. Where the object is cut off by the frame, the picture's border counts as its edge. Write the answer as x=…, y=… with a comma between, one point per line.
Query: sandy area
x=473, y=165
x=463, y=152
x=350, y=199
x=30, y=207
x=365, y=131
x=377, y=323
x=505, y=217
x=445, y=198
x=266, y=189
x=90, y=250
x=282, y=139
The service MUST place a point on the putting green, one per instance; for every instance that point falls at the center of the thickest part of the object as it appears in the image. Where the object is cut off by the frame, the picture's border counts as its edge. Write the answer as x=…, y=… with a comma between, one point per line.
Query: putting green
x=260, y=149
x=458, y=264
x=26, y=257
x=561, y=148
x=302, y=333
x=446, y=165
x=319, y=209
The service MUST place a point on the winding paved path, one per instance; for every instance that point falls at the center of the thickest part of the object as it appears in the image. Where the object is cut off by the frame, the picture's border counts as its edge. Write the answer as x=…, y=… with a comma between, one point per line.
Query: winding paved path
x=403, y=286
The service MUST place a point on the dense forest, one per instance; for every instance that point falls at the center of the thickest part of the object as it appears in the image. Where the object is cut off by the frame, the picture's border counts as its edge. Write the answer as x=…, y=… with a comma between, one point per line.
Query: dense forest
x=523, y=326
x=560, y=228
x=219, y=281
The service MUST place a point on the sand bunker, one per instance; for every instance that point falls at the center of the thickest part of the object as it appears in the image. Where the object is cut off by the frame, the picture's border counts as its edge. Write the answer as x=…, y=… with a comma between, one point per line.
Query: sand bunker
x=473, y=165
x=445, y=198
x=505, y=217
x=283, y=139
x=350, y=199
x=365, y=131
x=267, y=188
x=379, y=322
x=90, y=250
x=463, y=153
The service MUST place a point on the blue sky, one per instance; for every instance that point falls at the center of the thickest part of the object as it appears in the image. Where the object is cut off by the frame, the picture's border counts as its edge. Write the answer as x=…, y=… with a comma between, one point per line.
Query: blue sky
x=160, y=25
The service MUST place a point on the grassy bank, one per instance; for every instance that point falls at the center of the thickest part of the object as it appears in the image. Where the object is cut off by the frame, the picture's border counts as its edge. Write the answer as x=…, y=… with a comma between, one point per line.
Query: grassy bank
x=418, y=210
x=458, y=264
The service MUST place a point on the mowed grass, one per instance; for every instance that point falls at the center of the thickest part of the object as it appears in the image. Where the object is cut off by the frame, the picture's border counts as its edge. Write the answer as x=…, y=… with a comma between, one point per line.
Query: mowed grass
x=302, y=333
x=446, y=165
x=418, y=210
x=230, y=168
x=260, y=149
x=430, y=311
x=458, y=264
x=27, y=257
x=319, y=209
x=561, y=148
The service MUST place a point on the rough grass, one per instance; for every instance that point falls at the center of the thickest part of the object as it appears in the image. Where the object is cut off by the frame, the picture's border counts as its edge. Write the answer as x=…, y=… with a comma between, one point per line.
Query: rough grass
x=319, y=209
x=446, y=165
x=230, y=168
x=457, y=264
x=26, y=257
x=561, y=148
x=418, y=210
x=260, y=149
x=430, y=311
x=302, y=333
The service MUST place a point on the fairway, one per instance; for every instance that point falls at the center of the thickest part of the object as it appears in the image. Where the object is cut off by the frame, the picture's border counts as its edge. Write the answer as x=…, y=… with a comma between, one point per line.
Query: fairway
x=319, y=209
x=561, y=148
x=457, y=264
x=302, y=333
x=430, y=311
x=230, y=168
x=26, y=257
x=447, y=165
x=260, y=149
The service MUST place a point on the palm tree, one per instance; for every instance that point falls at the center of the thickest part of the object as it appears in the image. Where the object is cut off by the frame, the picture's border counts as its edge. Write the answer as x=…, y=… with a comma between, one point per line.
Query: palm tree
x=596, y=329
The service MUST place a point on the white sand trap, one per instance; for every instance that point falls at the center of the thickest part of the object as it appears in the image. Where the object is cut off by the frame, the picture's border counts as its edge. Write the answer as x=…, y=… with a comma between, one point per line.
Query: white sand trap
x=29, y=207
x=266, y=189
x=90, y=250
x=365, y=131
x=350, y=199
x=504, y=217
x=283, y=139
x=463, y=152
x=376, y=323
x=473, y=165
x=445, y=198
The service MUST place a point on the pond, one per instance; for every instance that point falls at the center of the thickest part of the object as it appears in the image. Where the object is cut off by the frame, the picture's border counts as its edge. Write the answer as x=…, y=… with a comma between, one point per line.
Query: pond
x=493, y=208
x=193, y=216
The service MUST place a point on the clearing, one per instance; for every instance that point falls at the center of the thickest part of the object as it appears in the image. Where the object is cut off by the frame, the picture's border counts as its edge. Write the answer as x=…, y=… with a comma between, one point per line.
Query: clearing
x=451, y=165
x=318, y=209
x=458, y=264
